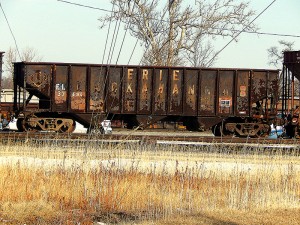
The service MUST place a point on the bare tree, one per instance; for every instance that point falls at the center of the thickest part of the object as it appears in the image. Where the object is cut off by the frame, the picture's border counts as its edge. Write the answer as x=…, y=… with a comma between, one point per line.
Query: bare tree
x=275, y=53
x=172, y=31
x=28, y=55
x=201, y=55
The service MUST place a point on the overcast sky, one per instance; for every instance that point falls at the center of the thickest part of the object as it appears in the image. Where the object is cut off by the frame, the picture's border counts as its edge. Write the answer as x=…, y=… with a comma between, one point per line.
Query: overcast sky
x=62, y=32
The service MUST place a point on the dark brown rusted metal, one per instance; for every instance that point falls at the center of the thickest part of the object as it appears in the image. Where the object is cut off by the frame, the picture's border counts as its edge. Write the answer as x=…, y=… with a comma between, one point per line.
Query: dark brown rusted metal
x=1, y=63
x=242, y=93
x=208, y=84
x=181, y=97
x=225, y=95
x=114, y=90
x=191, y=90
x=290, y=109
x=97, y=89
x=78, y=88
x=175, y=92
x=144, y=98
x=160, y=92
x=61, y=88
x=129, y=90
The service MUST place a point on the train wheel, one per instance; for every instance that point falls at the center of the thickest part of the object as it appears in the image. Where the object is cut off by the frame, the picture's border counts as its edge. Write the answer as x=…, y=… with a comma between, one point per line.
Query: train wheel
x=28, y=125
x=20, y=124
x=216, y=130
x=68, y=126
x=220, y=130
x=23, y=126
x=264, y=131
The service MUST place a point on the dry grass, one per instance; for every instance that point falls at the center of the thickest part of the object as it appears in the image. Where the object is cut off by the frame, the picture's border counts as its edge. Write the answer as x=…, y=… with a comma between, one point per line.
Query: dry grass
x=129, y=184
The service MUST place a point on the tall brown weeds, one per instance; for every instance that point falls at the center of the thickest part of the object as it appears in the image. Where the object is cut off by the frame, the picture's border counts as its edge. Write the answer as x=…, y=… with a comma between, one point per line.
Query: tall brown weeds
x=94, y=184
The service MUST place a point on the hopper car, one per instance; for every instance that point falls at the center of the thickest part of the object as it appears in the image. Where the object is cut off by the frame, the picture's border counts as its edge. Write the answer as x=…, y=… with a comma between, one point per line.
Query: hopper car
x=239, y=102
x=5, y=108
x=289, y=110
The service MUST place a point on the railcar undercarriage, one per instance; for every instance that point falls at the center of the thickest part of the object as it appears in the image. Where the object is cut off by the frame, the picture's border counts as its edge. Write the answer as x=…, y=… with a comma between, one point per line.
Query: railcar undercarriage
x=33, y=123
x=241, y=128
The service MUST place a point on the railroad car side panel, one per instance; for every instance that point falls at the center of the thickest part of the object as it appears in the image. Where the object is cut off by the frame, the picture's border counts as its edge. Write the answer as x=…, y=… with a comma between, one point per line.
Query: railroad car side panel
x=160, y=92
x=226, y=87
x=258, y=87
x=272, y=94
x=207, y=86
x=61, y=86
x=113, y=103
x=242, y=93
x=144, y=91
x=175, y=105
x=190, y=92
x=97, y=89
x=129, y=90
x=78, y=88
x=38, y=77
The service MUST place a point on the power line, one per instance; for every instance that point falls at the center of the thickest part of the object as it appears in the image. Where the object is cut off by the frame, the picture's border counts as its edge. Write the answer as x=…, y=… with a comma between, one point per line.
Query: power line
x=240, y=32
x=256, y=32
x=213, y=28
x=11, y=31
x=86, y=6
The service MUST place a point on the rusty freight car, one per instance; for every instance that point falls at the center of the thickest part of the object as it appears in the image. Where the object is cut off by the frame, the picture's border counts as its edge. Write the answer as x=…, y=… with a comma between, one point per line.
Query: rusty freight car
x=230, y=101
x=5, y=109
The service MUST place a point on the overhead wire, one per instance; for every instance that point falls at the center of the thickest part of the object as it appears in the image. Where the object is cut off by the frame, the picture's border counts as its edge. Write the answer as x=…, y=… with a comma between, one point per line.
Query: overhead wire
x=241, y=31
x=213, y=28
x=114, y=41
x=137, y=40
x=109, y=58
x=86, y=6
x=12, y=33
x=102, y=88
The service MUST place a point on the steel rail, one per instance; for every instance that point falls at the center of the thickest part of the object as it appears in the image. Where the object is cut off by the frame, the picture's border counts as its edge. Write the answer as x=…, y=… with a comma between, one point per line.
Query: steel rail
x=159, y=138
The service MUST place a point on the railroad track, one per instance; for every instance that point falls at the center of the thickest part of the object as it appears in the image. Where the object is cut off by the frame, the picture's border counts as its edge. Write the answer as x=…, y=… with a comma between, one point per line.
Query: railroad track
x=163, y=138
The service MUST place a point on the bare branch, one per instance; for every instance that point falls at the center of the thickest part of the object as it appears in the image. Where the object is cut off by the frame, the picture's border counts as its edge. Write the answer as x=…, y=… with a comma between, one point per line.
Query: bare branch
x=170, y=32
x=10, y=56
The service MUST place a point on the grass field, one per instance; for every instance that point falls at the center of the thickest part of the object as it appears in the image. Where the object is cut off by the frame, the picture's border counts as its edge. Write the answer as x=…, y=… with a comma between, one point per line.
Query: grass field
x=133, y=184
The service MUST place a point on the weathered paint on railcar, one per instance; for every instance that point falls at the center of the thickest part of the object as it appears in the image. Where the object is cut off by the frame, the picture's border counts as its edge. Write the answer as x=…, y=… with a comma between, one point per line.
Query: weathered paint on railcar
x=160, y=92
x=97, y=81
x=225, y=93
x=144, y=95
x=191, y=90
x=258, y=86
x=242, y=93
x=175, y=103
x=61, y=87
x=207, y=103
x=78, y=85
x=114, y=90
x=38, y=77
x=129, y=90
x=273, y=95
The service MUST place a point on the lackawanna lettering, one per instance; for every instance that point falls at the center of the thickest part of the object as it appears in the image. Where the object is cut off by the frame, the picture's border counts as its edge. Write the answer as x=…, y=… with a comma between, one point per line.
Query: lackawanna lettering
x=129, y=79
x=145, y=74
x=191, y=90
x=175, y=90
x=114, y=87
x=145, y=81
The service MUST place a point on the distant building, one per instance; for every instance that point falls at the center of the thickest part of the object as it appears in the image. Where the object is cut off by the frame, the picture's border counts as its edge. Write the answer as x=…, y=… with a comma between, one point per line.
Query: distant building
x=288, y=103
x=7, y=95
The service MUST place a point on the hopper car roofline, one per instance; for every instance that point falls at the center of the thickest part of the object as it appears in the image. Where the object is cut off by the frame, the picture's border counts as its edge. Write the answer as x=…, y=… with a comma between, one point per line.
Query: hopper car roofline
x=145, y=66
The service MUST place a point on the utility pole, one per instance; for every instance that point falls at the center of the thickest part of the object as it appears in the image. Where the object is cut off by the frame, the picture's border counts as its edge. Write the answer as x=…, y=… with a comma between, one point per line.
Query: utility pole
x=1, y=63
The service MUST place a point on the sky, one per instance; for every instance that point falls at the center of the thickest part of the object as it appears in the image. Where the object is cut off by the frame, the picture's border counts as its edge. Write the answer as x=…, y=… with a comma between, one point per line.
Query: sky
x=62, y=32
